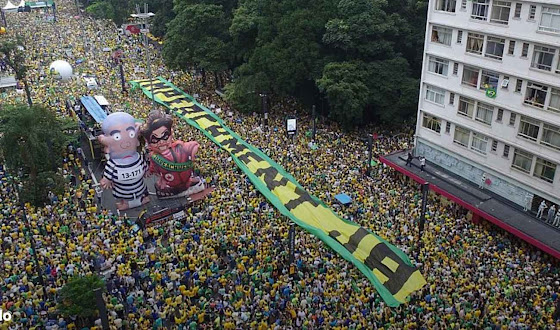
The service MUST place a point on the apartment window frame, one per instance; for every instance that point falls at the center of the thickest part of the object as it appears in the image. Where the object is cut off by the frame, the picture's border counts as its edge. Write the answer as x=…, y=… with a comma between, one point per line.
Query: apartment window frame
x=479, y=143
x=520, y=159
x=512, y=118
x=529, y=128
x=518, y=85
x=511, y=47
x=500, y=115
x=494, y=146
x=463, y=5
x=432, y=123
x=495, y=47
x=473, y=76
x=532, y=12
x=543, y=57
x=489, y=79
x=466, y=107
x=475, y=43
x=517, y=10
x=451, y=98
x=448, y=6
x=505, y=153
x=484, y=113
x=440, y=66
x=463, y=133
x=455, y=68
x=541, y=166
x=434, y=93
x=554, y=101
x=441, y=35
x=534, y=92
x=447, y=127
x=480, y=9
x=503, y=10
x=525, y=50
x=551, y=136
x=459, y=36
x=553, y=18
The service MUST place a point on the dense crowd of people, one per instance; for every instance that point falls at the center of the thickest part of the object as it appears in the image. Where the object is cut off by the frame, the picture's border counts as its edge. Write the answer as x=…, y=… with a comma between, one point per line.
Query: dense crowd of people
x=226, y=265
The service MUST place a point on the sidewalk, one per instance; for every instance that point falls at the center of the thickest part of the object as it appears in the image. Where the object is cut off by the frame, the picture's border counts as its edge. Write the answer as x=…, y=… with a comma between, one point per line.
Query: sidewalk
x=483, y=203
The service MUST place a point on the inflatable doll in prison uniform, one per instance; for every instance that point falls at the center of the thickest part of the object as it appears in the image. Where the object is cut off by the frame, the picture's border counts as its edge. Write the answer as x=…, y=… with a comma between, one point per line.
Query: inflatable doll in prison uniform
x=125, y=168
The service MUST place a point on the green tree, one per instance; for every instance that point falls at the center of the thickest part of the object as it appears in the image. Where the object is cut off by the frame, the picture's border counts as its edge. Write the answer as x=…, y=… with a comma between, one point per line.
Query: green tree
x=76, y=298
x=102, y=9
x=14, y=57
x=33, y=140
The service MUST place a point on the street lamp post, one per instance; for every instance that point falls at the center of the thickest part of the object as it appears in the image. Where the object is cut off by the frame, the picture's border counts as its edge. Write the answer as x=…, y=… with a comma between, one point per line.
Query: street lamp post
x=425, y=188
x=264, y=107
x=370, y=147
x=143, y=17
x=314, y=120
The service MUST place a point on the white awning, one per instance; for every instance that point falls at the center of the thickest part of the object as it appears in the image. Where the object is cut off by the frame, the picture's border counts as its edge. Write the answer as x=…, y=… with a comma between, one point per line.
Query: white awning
x=10, y=7
x=101, y=100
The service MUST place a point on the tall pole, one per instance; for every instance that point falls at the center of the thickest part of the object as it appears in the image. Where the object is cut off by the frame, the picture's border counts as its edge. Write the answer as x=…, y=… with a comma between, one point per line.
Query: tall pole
x=292, y=241
x=314, y=119
x=370, y=147
x=425, y=188
x=143, y=17
x=102, y=308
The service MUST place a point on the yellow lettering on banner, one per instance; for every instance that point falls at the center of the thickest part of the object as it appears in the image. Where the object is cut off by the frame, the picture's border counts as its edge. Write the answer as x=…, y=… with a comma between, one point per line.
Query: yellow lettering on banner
x=285, y=193
x=222, y=138
x=380, y=276
x=195, y=114
x=164, y=89
x=148, y=82
x=410, y=286
x=165, y=98
x=205, y=123
x=390, y=263
x=182, y=104
x=365, y=246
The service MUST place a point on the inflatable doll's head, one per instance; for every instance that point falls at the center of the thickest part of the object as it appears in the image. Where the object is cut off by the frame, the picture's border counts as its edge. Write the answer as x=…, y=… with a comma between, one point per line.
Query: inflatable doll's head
x=158, y=131
x=120, y=136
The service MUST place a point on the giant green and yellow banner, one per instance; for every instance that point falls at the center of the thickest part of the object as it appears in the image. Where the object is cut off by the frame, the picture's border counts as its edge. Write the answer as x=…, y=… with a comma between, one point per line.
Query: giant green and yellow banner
x=388, y=268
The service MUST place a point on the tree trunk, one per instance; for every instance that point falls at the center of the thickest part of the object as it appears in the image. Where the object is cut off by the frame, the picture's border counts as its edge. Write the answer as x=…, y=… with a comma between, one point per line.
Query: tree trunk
x=203, y=73
x=217, y=80
x=27, y=92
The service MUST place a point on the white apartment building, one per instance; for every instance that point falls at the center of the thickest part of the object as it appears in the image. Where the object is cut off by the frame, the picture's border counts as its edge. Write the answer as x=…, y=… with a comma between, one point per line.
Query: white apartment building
x=490, y=95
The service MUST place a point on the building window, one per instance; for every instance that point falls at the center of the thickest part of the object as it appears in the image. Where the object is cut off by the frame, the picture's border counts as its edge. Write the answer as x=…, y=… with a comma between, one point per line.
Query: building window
x=525, y=50
x=554, y=104
x=451, y=98
x=447, y=127
x=500, y=115
x=441, y=35
x=480, y=9
x=551, y=136
x=494, y=145
x=461, y=136
x=435, y=94
x=438, y=65
x=545, y=170
x=446, y=5
x=532, y=12
x=466, y=106
x=484, y=113
x=463, y=4
x=455, y=68
x=511, y=47
x=506, y=151
x=542, y=58
x=475, y=43
x=479, y=143
x=500, y=12
x=489, y=79
x=550, y=20
x=459, y=36
x=517, y=13
x=522, y=160
x=512, y=118
x=536, y=95
x=518, y=85
x=432, y=123
x=495, y=48
x=529, y=128
x=470, y=76
x=505, y=82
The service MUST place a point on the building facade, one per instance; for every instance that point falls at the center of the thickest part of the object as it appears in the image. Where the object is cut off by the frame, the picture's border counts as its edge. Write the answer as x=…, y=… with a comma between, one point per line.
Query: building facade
x=490, y=95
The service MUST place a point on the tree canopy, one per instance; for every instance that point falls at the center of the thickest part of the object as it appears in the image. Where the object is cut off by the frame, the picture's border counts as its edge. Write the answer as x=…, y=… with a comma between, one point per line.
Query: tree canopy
x=33, y=140
x=77, y=298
